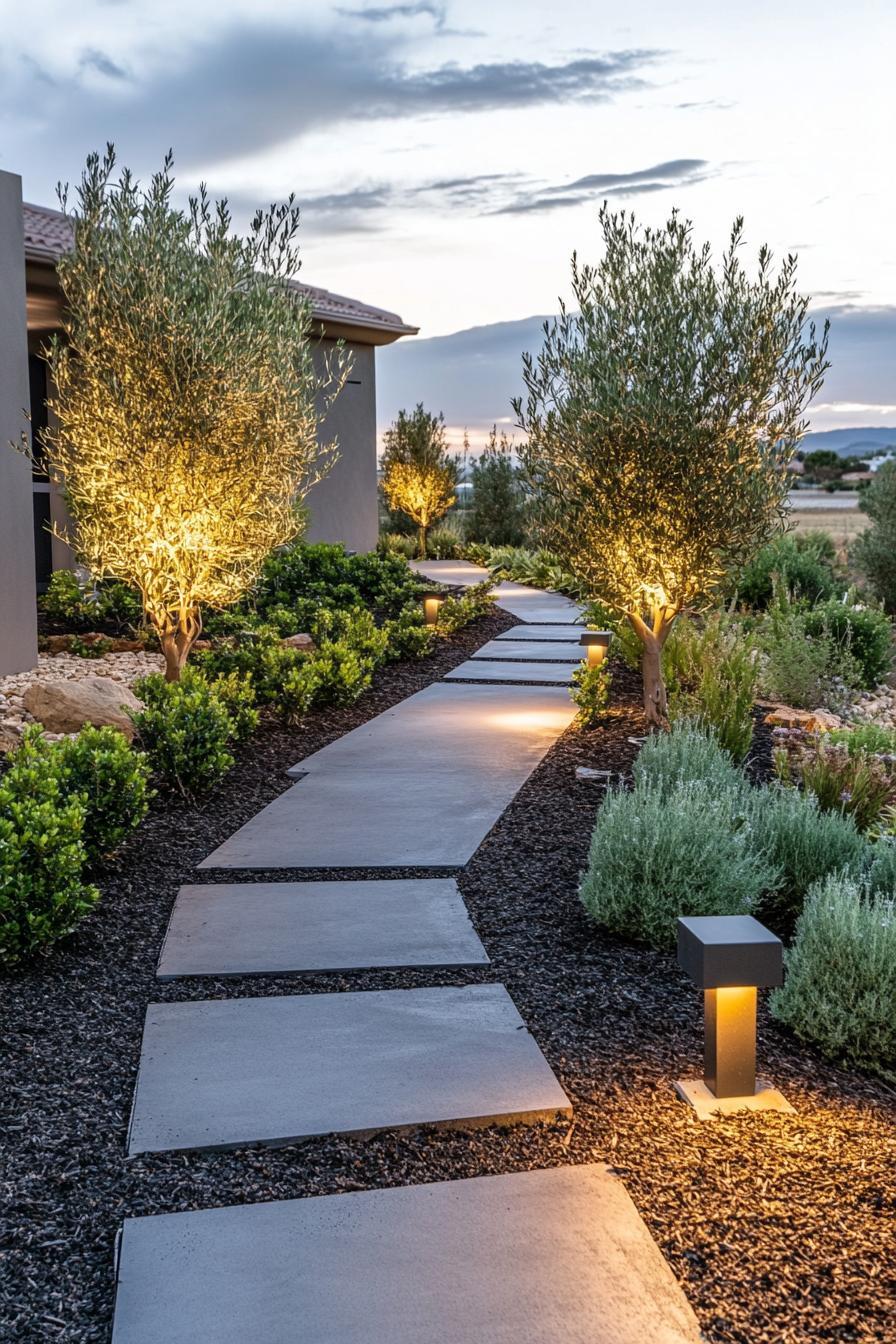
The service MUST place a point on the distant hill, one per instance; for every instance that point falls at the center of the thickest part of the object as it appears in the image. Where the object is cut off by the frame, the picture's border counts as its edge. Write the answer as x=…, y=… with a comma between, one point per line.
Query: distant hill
x=862, y=442
x=472, y=375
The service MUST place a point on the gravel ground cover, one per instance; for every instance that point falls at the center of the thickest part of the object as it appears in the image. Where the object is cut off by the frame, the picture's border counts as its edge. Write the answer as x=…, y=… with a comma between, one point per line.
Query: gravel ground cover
x=779, y=1228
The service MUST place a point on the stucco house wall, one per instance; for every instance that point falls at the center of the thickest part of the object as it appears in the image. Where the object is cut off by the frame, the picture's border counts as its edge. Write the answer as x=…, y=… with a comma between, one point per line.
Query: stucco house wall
x=18, y=621
x=343, y=505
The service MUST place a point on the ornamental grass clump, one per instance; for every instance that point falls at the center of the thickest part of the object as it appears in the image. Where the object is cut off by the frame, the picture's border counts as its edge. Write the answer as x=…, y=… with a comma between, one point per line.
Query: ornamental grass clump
x=658, y=853
x=840, y=988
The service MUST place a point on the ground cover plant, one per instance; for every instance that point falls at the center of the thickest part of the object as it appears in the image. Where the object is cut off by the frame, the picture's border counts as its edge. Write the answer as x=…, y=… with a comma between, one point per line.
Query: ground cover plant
x=186, y=406
x=660, y=414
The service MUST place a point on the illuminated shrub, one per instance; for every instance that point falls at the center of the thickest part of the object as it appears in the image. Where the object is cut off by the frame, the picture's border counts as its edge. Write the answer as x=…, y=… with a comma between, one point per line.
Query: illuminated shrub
x=840, y=988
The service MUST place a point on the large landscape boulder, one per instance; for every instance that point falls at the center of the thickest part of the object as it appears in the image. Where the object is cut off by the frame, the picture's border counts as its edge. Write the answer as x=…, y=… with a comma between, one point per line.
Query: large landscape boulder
x=809, y=720
x=65, y=706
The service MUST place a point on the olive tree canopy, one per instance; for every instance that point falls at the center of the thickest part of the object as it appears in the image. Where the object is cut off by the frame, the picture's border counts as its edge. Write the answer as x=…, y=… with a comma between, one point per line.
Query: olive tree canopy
x=660, y=415
x=186, y=405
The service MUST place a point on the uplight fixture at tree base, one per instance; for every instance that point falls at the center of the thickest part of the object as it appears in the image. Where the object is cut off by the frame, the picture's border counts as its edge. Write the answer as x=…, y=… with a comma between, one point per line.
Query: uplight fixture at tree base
x=432, y=602
x=729, y=957
x=596, y=642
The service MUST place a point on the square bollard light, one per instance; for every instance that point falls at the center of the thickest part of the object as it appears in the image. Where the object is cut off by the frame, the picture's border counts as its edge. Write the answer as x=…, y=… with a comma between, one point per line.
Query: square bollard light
x=596, y=642
x=432, y=601
x=729, y=957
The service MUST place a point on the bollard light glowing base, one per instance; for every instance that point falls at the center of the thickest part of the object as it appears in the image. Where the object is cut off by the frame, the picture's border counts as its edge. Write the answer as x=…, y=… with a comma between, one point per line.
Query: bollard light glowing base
x=708, y=1107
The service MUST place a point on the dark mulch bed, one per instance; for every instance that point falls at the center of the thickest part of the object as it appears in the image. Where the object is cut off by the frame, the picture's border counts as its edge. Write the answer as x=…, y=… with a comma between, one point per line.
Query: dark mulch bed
x=780, y=1228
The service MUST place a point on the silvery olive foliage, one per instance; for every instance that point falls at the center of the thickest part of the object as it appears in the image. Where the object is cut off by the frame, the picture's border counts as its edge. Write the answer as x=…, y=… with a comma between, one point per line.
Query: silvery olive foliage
x=660, y=414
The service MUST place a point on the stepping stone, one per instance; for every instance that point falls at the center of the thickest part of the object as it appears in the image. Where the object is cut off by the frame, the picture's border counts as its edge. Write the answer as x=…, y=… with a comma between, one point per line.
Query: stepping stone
x=536, y=606
x=534, y=651
x=228, y=1073
x=480, y=670
x=550, y=1257
x=541, y=633
x=418, y=786
x=456, y=573
x=269, y=928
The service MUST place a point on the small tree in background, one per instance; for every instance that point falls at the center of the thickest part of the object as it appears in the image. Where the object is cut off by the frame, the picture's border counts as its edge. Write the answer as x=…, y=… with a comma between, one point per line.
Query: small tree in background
x=497, y=514
x=661, y=413
x=419, y=473
x=874, y=551
x=186, y=431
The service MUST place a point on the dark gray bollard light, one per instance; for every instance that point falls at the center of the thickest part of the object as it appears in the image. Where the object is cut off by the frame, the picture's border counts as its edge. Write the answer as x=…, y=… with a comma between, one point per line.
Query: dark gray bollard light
x=729, y=957
x=432, y=599
x=596, y=643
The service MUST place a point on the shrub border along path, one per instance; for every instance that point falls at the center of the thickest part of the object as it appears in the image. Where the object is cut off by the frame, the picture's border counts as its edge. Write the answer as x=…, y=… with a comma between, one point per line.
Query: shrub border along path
x=779, y=1228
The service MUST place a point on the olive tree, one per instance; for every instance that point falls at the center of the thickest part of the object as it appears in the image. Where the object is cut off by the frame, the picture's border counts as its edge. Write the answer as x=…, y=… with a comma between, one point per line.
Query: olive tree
x=186, y=402
x=660, y=415
x=419, y=472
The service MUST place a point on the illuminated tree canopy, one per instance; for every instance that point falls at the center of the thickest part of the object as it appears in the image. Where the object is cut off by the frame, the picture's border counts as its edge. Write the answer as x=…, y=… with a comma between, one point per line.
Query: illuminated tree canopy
x=660, y=415
x=186, y=403
x=419, y=473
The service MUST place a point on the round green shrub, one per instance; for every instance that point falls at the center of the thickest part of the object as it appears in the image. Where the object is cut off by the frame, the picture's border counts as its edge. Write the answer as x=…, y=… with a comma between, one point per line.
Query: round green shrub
x=803, y=564
x=840, y=989
x=802, y=843
x=184, y=728
x=863, y=632
x=657, y=854
x=112, y=778
x=42, y=892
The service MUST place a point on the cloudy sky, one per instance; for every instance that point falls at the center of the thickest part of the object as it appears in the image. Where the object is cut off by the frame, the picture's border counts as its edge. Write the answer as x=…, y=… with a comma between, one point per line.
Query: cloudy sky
x=450, y=156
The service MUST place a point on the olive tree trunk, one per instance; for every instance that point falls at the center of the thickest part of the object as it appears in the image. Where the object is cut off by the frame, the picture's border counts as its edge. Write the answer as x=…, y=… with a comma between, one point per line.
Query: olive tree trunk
x=177, y=640
x=421, y=540
x=653, y=636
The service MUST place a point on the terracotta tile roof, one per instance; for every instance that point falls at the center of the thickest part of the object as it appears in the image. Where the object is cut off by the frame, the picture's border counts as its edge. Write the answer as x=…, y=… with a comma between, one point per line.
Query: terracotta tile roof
x=48, y=234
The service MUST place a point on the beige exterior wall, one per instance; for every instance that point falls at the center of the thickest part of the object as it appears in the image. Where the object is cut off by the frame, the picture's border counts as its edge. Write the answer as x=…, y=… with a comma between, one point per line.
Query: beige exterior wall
x=18, y=616
x=343, y=506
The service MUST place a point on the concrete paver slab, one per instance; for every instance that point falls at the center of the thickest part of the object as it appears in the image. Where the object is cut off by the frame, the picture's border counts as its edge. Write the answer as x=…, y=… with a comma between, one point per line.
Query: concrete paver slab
x=481, y=670
x=265, y=928
x=542, y=1256
x=536, y=606
x=225, y=1073
x=418, y=786
x=541, y=633
x=533, y=651
x=456, y=573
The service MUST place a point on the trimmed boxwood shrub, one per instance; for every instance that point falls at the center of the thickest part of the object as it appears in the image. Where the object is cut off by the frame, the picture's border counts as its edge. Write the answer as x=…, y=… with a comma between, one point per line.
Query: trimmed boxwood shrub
x=658, y=853
x=43, y=895
x=184, y=728
x=112, y=778
x=840, y=989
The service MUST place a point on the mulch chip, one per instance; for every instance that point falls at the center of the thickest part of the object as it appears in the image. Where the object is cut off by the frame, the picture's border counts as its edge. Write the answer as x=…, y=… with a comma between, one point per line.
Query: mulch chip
x=780, y=1228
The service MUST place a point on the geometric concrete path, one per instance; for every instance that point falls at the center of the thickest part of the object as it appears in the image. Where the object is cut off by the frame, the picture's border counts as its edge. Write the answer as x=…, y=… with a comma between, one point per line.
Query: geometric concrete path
x=281, y=927
x=536, y=651
x=557, y=674
x=527, y=604
x=558, y=1256
x=420, y=785
x=566, y=634
x=225, y=1073
x=535, y=606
